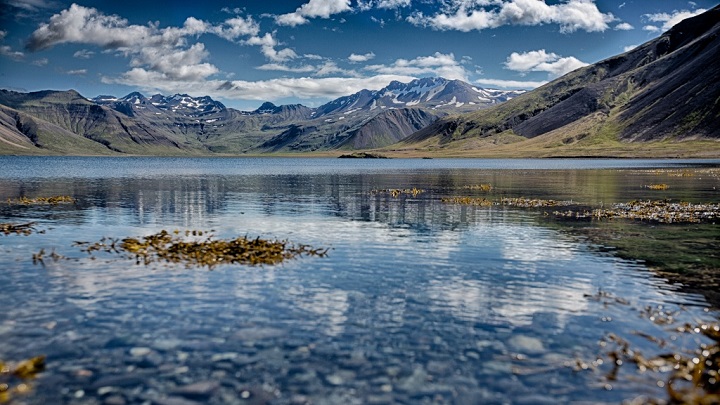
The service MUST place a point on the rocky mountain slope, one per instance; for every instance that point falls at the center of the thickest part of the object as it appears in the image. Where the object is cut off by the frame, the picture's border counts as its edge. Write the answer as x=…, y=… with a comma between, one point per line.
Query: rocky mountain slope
x=66, y=122
x=667, y=89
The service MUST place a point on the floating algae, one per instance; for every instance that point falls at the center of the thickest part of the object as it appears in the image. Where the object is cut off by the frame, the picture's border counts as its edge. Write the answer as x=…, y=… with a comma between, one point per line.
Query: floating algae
x=661, y=186
x=54, y=200
x=660, y=211
x=481, y=187
x=18, y=229
x=480, y=202
x=14, y=380
x=523, y=202
x=172, y=248
x=395, y=192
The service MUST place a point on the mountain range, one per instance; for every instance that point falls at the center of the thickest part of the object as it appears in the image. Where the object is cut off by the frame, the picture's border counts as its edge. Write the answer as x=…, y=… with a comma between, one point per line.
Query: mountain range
x=66, y=122
x=660, y=99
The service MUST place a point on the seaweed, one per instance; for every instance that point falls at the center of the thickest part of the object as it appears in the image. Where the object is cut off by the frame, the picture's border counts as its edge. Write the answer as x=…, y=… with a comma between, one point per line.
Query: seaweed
x=15, y=380
x=54, y=200
x=396, y=192
x=208, y=252
x=18, y=229
x=663, y=211
x=661, y=186
x=481, y=187
x=480, y=202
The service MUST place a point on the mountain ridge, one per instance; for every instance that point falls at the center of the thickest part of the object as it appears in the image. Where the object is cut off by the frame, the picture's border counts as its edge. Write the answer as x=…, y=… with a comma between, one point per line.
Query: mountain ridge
x=184, y=124
x=667, y=89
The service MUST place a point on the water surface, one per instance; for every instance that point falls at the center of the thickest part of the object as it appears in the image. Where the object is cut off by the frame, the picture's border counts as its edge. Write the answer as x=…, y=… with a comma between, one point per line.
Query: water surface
x=417, y=302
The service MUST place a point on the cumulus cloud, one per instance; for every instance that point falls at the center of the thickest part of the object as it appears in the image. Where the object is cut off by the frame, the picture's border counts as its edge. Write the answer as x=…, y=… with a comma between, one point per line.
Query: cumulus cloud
x=264, y=90
x=510, y=84
x=83, y=54
x=40, y=62
x=629, y=48
x=355, y=58
x=8, y=52
x=468, y=15
x=313, y=9
x=78, y=72
x=439, y=64
x=305, y=87
x=624, y=27
x=651, y=28
x=155, y=53
x=670, y=19
x=542, y=61
x=267, y=44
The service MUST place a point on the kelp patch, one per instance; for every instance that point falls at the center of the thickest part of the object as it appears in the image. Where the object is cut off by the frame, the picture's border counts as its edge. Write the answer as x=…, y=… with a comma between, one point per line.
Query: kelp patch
x=396, y=192
x=663, y=211
x=54, y=200
x=480, y=202
x=17, y=229
x=14, y=379
x=208, y=252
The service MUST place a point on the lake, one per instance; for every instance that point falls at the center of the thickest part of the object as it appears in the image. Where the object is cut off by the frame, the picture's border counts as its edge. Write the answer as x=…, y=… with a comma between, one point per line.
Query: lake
x=417, y=301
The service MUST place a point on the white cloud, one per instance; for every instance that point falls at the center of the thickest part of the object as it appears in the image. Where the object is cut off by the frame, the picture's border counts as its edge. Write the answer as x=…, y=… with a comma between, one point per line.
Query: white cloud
x=361, y=58
x=541, y=61
x=629, y=48
x=669, y=20
x=40, y=62
x=266, y=90
x=571, y=15
x=284, y=68
x=83, y=54
x=393, y=3
x=313, y=9
x=78, y=72
x=624, y=27
x=651, y=28
x=8, y=52
x=512, y=84
x=234, y=28
x=30, y=5
x=439, y=64
x=154, y=52
x=267, y=44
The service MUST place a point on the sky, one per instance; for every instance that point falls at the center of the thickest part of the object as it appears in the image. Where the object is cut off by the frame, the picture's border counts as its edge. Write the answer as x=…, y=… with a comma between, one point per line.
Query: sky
x=312, y=51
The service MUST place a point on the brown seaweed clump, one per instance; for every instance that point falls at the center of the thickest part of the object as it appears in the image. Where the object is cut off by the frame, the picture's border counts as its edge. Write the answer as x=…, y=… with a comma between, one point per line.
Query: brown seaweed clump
x=481, y=187
x=14, y=380
x=694, y=376
x=395, y=192
x=172, y=248
x=480, y=202
x=18, y=229
x=663, y=211
x=661, y=186
x=523, y=202
x=54, y=200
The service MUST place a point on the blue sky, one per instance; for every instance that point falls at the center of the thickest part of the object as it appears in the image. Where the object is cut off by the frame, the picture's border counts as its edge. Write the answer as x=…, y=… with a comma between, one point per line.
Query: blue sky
x=312, y=51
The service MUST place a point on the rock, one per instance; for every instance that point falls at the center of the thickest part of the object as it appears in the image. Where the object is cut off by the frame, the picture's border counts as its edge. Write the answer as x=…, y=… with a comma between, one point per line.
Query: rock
x=117, y=381
x=174, y=401
x=140, y=351
x=200, y=390
x=114, y=400
x=526, y=344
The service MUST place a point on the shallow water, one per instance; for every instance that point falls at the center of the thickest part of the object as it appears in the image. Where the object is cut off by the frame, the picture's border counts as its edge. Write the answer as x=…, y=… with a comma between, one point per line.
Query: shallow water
x=417, y=302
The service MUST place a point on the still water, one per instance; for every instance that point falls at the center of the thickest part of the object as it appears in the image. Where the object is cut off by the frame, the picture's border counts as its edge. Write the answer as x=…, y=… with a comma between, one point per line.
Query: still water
x=418, y=301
